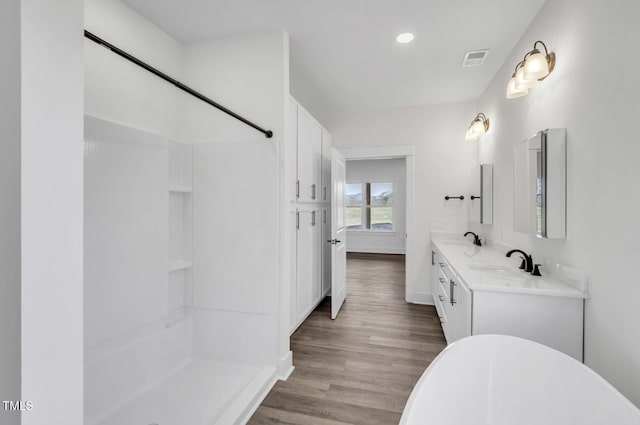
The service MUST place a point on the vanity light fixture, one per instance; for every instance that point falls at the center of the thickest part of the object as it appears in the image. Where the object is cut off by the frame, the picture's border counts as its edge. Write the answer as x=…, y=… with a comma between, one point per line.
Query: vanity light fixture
x=534, y=68
x=479, y=125
x=405, y=37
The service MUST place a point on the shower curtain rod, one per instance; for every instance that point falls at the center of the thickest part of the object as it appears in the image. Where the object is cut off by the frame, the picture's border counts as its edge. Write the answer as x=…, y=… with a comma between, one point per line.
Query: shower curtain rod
x=173, y=81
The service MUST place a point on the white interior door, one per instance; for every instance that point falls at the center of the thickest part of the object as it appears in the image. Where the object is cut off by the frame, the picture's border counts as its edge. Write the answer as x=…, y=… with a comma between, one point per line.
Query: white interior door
x=338, y=233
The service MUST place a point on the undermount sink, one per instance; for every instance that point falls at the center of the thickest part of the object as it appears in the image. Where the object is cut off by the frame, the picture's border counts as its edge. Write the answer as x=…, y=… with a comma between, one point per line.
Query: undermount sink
x=496, y=270
x=462, y=243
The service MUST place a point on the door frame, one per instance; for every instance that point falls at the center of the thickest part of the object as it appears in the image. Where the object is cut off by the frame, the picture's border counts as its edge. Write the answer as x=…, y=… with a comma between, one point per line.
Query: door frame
x=391, y=152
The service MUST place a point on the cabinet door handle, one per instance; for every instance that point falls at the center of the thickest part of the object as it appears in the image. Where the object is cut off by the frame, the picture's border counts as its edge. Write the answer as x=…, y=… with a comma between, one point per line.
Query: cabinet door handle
x=452, y=285
x=324, y=216
x=297, y=220
x=313, y=191
x=313, y=218
x=324, y=193
x=433, y=258
x=297, y=188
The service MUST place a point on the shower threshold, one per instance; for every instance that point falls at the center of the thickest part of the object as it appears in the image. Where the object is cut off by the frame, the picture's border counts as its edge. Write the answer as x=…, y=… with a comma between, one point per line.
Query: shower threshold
x=203, y=392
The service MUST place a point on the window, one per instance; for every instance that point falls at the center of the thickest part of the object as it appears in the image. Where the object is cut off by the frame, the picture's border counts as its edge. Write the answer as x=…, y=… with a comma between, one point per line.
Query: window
x=369, y=206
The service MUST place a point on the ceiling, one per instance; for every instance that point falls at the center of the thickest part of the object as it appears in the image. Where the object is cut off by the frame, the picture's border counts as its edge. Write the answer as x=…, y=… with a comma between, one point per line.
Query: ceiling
x=344, y=57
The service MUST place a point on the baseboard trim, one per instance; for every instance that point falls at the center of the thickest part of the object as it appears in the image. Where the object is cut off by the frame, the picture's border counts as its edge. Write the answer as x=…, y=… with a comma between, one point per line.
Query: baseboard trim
x=285, y=366
x=424, y=298
x=367, y=250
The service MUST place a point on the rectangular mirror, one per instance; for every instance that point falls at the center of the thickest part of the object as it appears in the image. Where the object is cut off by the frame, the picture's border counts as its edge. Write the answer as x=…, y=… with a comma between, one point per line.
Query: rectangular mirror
x=539, y=184
x=481, y=194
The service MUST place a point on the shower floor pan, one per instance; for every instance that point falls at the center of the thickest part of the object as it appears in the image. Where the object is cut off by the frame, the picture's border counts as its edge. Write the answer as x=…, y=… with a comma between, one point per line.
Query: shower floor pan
x=203, y=392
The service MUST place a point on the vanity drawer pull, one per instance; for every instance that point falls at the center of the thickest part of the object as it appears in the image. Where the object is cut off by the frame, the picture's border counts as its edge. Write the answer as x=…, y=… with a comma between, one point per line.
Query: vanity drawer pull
x=441, y=297
x=452, y=285
x=442, y=280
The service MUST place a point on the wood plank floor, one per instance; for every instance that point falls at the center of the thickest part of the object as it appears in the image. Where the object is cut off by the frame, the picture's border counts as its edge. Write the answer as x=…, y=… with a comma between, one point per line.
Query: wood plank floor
x=361, y=367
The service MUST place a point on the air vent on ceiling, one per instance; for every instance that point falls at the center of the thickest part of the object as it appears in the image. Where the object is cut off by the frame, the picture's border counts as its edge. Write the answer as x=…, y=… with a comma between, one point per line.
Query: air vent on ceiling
x=475, y=58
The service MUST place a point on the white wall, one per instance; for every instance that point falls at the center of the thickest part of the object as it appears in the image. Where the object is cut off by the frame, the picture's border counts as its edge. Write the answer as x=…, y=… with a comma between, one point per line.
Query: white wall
x=52, y=204
x=10, y=208
x=442, y=163
x=381, y=171
x=121, y=92
x=593, y=92
x=244, y=73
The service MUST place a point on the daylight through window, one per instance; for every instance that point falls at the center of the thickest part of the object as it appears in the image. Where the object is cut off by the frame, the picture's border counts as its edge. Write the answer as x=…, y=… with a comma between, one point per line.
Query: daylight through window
x=369, y=206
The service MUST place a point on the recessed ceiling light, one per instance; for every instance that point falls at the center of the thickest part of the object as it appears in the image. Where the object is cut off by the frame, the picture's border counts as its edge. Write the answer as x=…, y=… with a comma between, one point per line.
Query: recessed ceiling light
x=405, y=37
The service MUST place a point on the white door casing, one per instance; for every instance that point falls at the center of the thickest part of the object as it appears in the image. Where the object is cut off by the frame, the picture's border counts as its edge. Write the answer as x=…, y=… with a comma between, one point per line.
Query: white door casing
x=338, y=239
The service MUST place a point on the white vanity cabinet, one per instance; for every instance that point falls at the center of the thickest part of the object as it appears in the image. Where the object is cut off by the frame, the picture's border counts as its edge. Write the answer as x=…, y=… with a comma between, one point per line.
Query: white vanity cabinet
x=468, y=303
x=452, y=300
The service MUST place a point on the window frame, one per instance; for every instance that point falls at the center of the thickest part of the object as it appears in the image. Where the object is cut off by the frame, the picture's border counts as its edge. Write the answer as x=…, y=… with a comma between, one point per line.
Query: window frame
x=366, y=206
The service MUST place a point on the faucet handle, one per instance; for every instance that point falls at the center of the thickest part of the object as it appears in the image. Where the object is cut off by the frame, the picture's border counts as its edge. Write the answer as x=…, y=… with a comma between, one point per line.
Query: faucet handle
x=522, y=263
x=536, y=270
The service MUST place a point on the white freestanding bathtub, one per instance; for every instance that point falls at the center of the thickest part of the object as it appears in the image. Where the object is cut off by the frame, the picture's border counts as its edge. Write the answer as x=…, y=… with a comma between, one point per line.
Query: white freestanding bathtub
x=504, y=380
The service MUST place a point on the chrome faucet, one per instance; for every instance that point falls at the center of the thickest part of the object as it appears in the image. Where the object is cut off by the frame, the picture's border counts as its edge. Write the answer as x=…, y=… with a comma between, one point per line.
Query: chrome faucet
x=527, y=260
x=476, y=239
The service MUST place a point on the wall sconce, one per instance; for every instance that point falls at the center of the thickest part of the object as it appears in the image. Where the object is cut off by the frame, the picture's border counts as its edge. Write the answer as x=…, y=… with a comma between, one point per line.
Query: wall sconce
x=534, y=68
x=477, y=128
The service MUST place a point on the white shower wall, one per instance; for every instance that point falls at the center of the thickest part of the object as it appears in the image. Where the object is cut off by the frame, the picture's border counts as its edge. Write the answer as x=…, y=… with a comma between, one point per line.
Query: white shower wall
x=126, y=216
x=235, y=264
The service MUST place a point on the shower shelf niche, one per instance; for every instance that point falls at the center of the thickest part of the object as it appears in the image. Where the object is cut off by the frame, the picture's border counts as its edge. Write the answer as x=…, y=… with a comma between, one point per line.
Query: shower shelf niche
x=180, y=225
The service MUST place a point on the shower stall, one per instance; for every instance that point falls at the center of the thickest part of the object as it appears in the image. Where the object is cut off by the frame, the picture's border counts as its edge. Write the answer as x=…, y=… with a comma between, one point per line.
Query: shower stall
x=179, y=308
x=182, y=212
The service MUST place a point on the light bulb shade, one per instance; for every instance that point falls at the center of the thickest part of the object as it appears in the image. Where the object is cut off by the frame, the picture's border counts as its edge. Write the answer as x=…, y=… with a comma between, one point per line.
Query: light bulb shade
x=477, y=129
x=521, y=83
x=512, y=92
x=535, y=68
x=469, y=137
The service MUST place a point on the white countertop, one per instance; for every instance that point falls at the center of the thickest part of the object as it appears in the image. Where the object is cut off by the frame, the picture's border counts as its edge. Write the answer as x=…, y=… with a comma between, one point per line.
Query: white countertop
x=487, y=269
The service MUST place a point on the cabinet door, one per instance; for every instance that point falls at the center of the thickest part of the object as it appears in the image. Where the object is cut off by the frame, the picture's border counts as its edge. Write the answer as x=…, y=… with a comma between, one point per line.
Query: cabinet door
x=308, y=265
x=292, y=145
x=326, y=250
x=309, y=157
x=293, y=288
x=316, y=248
x=462, y=309
x=304, y=272
x=325, y=193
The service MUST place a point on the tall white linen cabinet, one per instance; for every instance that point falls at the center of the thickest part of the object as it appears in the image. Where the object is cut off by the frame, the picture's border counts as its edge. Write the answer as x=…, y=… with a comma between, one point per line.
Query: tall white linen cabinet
x=310, y=213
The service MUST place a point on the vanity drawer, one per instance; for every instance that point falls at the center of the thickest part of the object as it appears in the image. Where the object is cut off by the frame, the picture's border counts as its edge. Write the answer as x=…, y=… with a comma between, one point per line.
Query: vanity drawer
x=445, y=269
x=441, y=300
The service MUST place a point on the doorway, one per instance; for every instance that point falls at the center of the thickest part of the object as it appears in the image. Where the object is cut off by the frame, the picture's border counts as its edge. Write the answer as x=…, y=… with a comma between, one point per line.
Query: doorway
x=379, y=204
